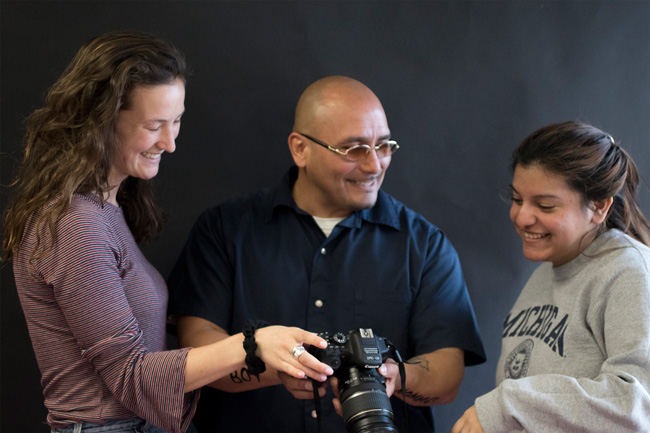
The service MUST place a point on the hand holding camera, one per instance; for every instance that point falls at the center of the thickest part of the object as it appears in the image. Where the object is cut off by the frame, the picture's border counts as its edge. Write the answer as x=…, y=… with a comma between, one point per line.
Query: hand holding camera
x=276, y=345
x=355, y=359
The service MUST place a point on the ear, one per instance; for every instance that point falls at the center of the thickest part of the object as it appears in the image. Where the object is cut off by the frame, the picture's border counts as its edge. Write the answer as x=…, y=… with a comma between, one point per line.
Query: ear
x=601, y=209
x=298, y=148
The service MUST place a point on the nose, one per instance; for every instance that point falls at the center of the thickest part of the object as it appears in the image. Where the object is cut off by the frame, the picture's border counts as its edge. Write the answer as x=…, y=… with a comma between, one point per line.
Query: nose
x=522, y=215
x=167, y=140
x=371, y=163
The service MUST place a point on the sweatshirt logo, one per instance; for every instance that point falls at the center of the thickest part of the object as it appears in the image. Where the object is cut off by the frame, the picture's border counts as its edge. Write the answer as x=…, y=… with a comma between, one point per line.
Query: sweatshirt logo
x=540, y=322
x=517, y=362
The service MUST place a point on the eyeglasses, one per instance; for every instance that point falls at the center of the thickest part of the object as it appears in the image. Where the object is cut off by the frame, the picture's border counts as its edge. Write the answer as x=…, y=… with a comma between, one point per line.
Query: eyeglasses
x=359, y=151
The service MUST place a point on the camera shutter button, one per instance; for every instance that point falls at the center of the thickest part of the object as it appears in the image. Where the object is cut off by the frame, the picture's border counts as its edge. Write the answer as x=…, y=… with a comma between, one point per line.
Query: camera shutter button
x=318, y=303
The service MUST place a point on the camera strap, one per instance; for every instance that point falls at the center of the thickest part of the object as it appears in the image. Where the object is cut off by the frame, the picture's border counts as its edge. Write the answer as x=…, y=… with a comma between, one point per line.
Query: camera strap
x=402, y=378
x=315, y=385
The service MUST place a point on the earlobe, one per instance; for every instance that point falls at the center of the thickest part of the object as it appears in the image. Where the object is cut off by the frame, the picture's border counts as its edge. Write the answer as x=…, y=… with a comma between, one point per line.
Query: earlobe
x=601, y=210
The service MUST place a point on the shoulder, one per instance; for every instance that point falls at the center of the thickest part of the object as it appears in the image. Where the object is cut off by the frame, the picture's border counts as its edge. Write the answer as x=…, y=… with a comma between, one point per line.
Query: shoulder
x=233, y=215
x=416, y=230
x=617, y=270
x=407, y=219
x=87, y=221
x=87, y=211
x=87, y=203
x=619, y=253
x=85, y=226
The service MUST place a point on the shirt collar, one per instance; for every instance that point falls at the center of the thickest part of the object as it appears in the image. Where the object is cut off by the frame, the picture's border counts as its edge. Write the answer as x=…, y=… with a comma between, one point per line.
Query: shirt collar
x=383, y=212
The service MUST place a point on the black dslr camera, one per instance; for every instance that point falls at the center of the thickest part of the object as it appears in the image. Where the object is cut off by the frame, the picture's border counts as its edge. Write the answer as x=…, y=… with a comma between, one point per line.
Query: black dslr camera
x=355, y=358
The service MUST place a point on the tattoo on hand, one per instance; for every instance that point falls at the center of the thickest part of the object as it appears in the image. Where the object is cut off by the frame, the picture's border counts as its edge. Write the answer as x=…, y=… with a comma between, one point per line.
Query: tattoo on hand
x=242, y=376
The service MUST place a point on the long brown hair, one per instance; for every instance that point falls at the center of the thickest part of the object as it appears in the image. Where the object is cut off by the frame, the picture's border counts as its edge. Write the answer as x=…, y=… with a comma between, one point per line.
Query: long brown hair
x=594, y=165
x=70, y=141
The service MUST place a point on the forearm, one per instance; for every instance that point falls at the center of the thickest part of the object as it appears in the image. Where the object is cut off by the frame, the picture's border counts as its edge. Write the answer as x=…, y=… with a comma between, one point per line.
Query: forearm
x=222, y=366
x=240, y=380
x=433, y=378
x=219, y=360
x=606, y=403
x=232, y=375
x=208, y=363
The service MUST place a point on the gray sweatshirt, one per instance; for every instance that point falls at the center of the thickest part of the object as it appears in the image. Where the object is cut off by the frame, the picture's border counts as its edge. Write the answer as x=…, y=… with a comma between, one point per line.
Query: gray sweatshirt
x=575, y=353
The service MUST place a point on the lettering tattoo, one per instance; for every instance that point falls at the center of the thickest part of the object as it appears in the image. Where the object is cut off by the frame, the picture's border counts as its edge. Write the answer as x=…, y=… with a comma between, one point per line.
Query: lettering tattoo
x=242, y=376
x=418, y=398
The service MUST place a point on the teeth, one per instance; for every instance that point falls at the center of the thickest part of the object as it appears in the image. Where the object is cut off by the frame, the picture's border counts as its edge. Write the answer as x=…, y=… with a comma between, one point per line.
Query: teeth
x=366, y=183
x=533, y=236
x=150, y=155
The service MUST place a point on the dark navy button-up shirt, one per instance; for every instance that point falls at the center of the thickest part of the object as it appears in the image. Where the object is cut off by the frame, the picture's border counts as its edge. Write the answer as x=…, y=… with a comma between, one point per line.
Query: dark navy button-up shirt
x=261, y=257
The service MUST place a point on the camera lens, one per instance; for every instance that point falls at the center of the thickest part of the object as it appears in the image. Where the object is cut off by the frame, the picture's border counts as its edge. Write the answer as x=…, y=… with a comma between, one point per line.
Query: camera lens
x=365, y=404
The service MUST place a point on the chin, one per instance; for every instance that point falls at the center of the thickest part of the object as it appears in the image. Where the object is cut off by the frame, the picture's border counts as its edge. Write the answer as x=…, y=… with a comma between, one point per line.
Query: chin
x=147, y=175
x=364, y=205
x=367, y=202
x=535, y=256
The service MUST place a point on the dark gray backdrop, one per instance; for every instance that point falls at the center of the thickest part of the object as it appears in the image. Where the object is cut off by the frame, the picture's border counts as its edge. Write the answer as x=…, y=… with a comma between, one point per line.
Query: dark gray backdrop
x=461, y=82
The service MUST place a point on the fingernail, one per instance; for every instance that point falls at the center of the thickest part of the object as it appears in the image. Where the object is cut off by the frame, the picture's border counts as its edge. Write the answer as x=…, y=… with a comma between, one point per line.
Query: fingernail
x=382, y=369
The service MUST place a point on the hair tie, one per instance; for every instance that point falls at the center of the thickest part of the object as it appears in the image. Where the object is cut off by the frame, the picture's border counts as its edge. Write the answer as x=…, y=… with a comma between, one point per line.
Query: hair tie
x=254, y=363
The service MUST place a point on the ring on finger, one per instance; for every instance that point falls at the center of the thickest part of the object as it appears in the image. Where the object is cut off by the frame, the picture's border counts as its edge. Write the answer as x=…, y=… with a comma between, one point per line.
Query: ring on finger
x=297, y=351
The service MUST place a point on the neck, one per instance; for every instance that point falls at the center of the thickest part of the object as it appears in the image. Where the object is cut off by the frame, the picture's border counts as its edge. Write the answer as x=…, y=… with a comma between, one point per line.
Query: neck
x=110, y=196
x=308, y=201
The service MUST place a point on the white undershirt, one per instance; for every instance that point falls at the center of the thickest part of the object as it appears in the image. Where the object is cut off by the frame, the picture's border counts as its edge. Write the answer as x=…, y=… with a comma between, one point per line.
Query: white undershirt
x=327, y=224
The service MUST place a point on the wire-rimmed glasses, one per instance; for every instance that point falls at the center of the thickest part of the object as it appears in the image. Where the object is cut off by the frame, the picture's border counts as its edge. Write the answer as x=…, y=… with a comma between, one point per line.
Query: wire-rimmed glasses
x=359, y=151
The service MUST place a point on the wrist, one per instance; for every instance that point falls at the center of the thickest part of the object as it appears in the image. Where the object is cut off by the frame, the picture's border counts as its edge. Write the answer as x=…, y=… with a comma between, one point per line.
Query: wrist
x=254, y=363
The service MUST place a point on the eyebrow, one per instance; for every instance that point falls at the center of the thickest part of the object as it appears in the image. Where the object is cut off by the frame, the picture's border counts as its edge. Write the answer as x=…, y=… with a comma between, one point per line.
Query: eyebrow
x=537, y=196
x=165, y=120
x=364, y=139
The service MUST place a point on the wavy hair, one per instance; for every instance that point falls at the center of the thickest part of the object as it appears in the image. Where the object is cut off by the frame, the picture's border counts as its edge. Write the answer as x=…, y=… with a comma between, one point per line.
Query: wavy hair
x=592, y=164
x=70, y=142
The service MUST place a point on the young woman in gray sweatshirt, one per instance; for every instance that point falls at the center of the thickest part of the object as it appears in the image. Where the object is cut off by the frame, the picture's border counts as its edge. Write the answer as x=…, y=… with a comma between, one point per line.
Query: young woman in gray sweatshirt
x=575, y=351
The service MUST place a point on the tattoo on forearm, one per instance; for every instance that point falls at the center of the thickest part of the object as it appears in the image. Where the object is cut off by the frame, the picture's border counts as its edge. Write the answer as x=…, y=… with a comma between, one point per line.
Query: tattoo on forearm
x=422, y=363
x=418, y=398
x=242, y=376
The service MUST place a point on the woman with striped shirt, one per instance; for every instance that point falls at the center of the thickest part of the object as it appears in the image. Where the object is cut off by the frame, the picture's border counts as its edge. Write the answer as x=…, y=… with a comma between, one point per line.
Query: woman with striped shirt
x=95, y=307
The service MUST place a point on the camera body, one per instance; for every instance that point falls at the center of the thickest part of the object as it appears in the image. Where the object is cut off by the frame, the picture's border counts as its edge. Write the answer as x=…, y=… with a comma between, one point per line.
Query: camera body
x=355, y=358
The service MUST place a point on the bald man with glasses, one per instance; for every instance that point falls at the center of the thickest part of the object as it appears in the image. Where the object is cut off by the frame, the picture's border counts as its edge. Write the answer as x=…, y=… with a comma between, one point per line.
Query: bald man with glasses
x=327, y=250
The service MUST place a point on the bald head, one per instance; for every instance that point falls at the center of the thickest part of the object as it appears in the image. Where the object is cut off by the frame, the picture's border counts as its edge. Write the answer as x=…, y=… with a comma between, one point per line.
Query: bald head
x=327, y=96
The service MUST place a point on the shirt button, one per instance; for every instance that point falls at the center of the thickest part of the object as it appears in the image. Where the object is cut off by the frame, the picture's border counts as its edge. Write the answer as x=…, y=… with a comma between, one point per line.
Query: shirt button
x=318, y=303
x=323, y=251
x=314, y=414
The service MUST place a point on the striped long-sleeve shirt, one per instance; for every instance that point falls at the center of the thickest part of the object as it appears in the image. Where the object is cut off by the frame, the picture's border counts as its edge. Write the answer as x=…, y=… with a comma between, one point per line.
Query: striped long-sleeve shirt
x=95, y=309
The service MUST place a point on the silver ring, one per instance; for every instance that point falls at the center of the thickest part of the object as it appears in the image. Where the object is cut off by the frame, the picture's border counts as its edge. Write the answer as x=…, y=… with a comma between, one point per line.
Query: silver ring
x=297, y=351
